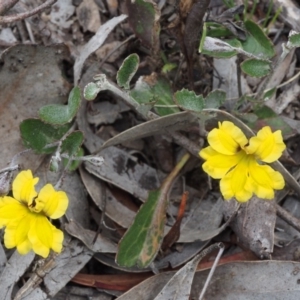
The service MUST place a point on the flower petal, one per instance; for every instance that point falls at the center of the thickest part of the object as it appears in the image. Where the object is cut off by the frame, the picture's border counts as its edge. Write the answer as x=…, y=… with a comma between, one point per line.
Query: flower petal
x=236, y=183
x=55, y=203
x=23, y=186
x=11, y=209
x=265, y=180
x=58, y=237
x=217, y=164
x=227, y=139
x=44, y=236
x=268, y=146
x=16, y=234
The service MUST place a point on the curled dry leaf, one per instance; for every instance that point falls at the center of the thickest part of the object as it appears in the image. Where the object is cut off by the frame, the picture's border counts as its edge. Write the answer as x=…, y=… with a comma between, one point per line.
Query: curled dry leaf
x=254, y=225
x=144, y=19
x=88, y=15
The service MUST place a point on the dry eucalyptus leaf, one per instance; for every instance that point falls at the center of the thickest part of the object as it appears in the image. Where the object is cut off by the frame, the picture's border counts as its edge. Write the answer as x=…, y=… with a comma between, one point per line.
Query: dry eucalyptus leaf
x=158, y=126
x=267, y=280
x=15, y=268
x=208, y=233
x=94, y=43
x=181, y=255
x=101, y=244
x=122, y=170
x=115, y=210
x=204, y=217
x=179, y=286
x=27, y=82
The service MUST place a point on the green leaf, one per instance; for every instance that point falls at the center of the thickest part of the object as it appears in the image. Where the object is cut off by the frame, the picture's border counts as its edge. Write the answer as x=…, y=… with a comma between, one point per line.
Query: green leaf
x=269, y=93
x=168, y=67
x=91, y=91
x=215, y=99
x=61, y=114
x=257, y=42
x=220, y=48
x=72, y=142
x=203, y=37
x=217, y=30
x=74, y=163
x=267, y=117
x=294, y=39
x=142, y=240
x=71, y=145
x=256, y=68
x=139, y=244
x=247, y=117
x=37, y=134
x=188, y=100
x=127, y=70
x=156, y=90
x=54, y=164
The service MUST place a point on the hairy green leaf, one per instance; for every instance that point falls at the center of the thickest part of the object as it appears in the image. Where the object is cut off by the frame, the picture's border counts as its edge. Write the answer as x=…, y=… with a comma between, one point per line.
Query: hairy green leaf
x=37, y=135
x=127, y=70
x=61, y=114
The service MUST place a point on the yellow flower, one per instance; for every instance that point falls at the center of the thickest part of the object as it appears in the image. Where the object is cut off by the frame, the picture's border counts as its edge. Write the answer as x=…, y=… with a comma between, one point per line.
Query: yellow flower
x=25, y=216
x=239, y=163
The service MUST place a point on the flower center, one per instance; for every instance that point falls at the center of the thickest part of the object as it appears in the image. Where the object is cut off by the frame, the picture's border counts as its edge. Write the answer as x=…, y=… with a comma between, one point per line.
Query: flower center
x=35, y=205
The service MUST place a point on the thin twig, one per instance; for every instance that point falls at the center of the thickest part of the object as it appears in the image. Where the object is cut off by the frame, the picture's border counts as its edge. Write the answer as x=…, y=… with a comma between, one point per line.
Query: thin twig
x=10, y=169
x=21, y=16
x=287, y=217
x=212, y=270
x=186, y=143
x=31, y=36
x=6, y=5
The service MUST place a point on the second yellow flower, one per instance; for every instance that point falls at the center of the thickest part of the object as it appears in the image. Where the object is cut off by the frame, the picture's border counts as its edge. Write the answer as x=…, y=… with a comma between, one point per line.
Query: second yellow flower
x=240, y=164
